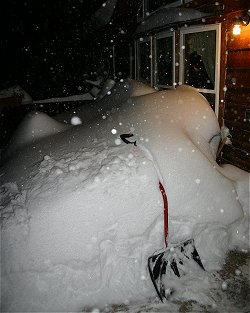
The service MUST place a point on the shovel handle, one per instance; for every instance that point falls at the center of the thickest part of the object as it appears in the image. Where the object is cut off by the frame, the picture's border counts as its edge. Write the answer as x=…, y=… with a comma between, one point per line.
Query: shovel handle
x=165, y=203
x=124, y=138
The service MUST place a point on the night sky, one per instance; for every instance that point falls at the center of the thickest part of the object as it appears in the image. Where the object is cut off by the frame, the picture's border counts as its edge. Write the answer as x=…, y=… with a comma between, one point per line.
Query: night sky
x=44, y=43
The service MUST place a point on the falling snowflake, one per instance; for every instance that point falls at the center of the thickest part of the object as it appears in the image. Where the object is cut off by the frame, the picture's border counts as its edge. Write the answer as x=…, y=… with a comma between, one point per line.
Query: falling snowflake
x=224, y=285
x=75, y=120
x=237, y=272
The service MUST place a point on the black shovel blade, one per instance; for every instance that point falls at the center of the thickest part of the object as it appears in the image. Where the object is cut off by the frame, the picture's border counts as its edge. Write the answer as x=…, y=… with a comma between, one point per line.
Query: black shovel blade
x=172, y=260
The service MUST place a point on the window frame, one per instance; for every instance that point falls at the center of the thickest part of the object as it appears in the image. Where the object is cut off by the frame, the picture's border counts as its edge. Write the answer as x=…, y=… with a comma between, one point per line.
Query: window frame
x=197, y=29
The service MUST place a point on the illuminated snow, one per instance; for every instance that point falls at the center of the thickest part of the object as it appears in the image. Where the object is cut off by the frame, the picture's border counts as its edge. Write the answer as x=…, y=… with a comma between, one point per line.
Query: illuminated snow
x=81, y=210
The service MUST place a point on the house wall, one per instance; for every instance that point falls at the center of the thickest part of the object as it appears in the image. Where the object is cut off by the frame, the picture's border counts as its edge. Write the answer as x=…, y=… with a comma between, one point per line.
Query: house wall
x=234, y=90
x=234, y=106
x=236, y=113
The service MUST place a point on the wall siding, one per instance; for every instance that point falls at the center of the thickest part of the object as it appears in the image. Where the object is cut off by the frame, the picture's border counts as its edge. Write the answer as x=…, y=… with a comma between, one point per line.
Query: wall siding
x=237, y=97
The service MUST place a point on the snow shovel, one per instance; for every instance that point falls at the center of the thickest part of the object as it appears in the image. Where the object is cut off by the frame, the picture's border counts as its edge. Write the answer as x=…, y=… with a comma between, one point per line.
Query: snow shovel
x=170, y=259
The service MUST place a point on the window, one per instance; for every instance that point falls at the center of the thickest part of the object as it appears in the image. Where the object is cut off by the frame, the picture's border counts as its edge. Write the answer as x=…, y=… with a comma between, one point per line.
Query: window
x=164, y=59
x=155, y=60
x=199, y=59
x=199, y=66
x=144, y=60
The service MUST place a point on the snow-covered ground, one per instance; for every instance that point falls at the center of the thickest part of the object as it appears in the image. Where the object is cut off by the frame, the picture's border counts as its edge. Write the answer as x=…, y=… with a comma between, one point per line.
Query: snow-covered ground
x=81, y=211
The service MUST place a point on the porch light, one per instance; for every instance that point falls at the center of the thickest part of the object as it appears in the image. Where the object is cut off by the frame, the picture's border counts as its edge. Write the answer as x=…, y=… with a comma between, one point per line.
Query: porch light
x=236, y=29
x=241, y=21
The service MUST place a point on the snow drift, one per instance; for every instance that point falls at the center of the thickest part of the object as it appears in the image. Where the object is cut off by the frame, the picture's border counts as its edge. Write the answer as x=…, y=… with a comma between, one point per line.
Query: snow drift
x=81, y=211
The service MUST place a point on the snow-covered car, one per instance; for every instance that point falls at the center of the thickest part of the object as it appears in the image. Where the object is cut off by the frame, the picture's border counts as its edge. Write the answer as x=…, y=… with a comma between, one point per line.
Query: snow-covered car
x=81, y=211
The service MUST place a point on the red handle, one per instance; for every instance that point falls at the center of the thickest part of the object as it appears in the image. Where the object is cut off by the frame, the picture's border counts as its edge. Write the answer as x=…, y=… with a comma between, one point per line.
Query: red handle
x=165, y=203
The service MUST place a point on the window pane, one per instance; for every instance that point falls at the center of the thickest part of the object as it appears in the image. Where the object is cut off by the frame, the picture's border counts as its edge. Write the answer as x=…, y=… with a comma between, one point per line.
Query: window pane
x=164, y=61
x=144, y=61
x=200, y=52
x=210, y=98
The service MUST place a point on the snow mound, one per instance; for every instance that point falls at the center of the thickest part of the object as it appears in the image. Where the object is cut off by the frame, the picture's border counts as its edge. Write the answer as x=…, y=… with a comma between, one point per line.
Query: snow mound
x=117, y=93
x=36, y=125
x=111, y=96
x=81, y=211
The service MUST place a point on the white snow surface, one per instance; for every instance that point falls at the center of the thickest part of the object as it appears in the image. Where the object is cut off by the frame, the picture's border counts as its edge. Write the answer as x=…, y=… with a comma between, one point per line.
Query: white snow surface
x=35, y=125
x=110, y=95
x=165, y=16
x=81, y=211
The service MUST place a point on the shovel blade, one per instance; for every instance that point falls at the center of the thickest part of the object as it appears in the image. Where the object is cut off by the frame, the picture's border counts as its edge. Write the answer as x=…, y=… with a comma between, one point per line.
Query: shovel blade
x=172, y=261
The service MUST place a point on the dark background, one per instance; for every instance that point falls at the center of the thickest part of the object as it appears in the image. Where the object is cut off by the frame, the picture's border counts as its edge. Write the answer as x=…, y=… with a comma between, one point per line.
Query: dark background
x=50, y=47
x=46, y=45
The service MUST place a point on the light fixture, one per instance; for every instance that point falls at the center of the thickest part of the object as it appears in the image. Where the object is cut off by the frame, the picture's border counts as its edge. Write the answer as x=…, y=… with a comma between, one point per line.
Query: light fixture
x=236, y=29
x=241, y=21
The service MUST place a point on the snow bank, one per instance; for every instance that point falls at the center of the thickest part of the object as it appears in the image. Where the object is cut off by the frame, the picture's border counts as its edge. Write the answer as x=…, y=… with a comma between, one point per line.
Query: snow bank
x=81, y=211
x=111, y=95
x=36, y=125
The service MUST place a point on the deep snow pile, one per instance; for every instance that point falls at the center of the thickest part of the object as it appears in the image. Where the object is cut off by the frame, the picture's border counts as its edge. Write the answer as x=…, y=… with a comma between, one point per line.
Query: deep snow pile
x=108, y=98
x=81, y=211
